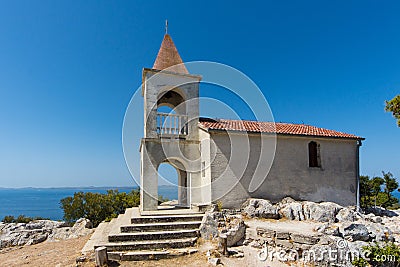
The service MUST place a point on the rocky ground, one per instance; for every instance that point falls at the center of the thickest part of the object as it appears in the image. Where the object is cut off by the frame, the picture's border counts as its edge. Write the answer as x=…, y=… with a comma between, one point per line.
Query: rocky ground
x=34, y=232
x=299, y=232
x=259, y=234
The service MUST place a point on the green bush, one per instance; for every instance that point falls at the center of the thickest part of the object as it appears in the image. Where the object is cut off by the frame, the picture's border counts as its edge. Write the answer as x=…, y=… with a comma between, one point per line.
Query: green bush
x=98, y=207
x=21, y=219
x=384, y=255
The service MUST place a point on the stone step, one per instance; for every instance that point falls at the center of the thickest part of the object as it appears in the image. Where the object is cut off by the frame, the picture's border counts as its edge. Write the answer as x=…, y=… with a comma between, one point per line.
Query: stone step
x=166, y=218
x=153, y=235
x=143, y=227
x=148, y=255
x=150, y=244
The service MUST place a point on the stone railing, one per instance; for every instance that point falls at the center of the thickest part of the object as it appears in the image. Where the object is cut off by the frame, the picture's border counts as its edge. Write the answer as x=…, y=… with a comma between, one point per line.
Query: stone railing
x=172, y=124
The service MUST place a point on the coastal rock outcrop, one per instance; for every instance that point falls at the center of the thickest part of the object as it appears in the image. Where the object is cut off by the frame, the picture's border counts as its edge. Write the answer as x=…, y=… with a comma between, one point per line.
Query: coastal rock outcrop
x=19, y=234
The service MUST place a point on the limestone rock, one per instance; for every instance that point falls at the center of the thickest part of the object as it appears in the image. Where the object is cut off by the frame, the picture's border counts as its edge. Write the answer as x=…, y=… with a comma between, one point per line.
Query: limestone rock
x=236, y=230
x=378, y=211
x=355, y=232
x=101, y=258
x=373, y=218
x=82, y=227
x=209, y=226
x=304, y=239
x=322, y=212
x=291, y=210
x=260, y=208
x=332, y=230
x=48, y=224
x=346, y=215
x=214, y=261
x=379, y=232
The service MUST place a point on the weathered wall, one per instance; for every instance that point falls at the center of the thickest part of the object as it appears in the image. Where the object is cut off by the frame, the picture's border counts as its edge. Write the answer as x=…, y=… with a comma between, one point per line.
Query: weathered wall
x=205, y=171
x=184, y=155
x=290, y=175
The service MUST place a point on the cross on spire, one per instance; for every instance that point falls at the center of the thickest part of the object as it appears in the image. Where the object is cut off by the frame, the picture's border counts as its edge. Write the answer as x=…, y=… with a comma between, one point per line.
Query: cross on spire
x=168, y=56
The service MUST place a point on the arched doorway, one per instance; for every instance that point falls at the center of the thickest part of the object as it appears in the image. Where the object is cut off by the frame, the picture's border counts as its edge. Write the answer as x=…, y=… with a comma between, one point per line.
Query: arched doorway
x=173, y=183
x=167, y=182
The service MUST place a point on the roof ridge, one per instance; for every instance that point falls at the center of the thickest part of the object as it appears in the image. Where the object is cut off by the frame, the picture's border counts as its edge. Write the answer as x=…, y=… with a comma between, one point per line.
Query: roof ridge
x=275, y=127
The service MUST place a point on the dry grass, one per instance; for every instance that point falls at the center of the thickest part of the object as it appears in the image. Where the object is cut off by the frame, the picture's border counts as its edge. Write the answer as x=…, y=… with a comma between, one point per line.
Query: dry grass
x=60, y=253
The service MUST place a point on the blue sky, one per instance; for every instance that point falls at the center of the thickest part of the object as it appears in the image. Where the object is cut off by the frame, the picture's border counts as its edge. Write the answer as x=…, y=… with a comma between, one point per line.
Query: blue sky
x=69, y=68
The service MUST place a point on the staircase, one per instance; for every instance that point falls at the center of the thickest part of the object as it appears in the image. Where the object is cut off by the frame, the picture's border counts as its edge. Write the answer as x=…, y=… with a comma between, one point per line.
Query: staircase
x=133, y=236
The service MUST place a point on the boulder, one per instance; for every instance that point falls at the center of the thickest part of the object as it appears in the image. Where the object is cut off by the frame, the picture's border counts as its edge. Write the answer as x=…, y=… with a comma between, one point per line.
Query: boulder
x=332, y=230
x=355, y=232
x=322, y=212
x=292, y=211
x=379, y=232
x=260, y=208
x=305, y=239
x=235, y=231
x=373, y=218
x=81, y=227
x=285, y=201
x=209, y=226
x=214, y=261
x=346, y=215
x=378, y=211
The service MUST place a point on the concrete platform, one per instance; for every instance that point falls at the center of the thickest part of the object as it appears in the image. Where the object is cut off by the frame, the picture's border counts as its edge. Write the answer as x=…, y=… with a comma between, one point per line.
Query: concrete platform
x=169, y=210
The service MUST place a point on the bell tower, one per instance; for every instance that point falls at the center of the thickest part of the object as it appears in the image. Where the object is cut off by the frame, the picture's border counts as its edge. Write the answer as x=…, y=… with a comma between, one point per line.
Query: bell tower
x=170, y=137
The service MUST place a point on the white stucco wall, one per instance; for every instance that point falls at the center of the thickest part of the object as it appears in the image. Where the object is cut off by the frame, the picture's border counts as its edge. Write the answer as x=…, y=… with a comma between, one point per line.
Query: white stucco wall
x=205, y=173
x=289, y=175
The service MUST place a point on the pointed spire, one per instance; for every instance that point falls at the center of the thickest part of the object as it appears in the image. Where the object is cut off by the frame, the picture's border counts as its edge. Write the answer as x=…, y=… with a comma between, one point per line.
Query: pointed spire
x=168, y=55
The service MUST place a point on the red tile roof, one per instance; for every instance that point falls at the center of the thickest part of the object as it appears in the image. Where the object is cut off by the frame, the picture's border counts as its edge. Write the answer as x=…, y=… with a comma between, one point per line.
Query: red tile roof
x=271, y=127
x=168, y=56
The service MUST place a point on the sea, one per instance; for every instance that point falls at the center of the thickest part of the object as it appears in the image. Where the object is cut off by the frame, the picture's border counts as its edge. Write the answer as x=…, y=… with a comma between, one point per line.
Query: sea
x=45, y=202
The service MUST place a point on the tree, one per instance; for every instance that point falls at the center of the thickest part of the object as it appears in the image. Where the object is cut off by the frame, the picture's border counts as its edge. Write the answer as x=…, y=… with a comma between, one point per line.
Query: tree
x=98, y=207
x=376, y=184
x=365, y=191
x=394, y=107
x=390, y=185
x=378, y=191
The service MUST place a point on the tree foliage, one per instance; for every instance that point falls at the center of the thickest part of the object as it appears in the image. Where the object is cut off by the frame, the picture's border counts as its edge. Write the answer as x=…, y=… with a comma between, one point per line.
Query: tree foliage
x=21, y=219
x=378, y=191
x=98, y=207
x=394, y=107
x=379, y=255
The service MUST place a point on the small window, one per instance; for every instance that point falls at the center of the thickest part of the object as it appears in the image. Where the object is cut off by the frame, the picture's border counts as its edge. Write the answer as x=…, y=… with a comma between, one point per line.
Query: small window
x=314, y=159
x=203, y=169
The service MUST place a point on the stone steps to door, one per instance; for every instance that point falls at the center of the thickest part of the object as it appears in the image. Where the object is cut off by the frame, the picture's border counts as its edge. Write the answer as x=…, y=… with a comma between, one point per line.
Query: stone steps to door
x=150, y=244
x=153, y=235
x=148, y=255
x=148, y=227
x=167, y=218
